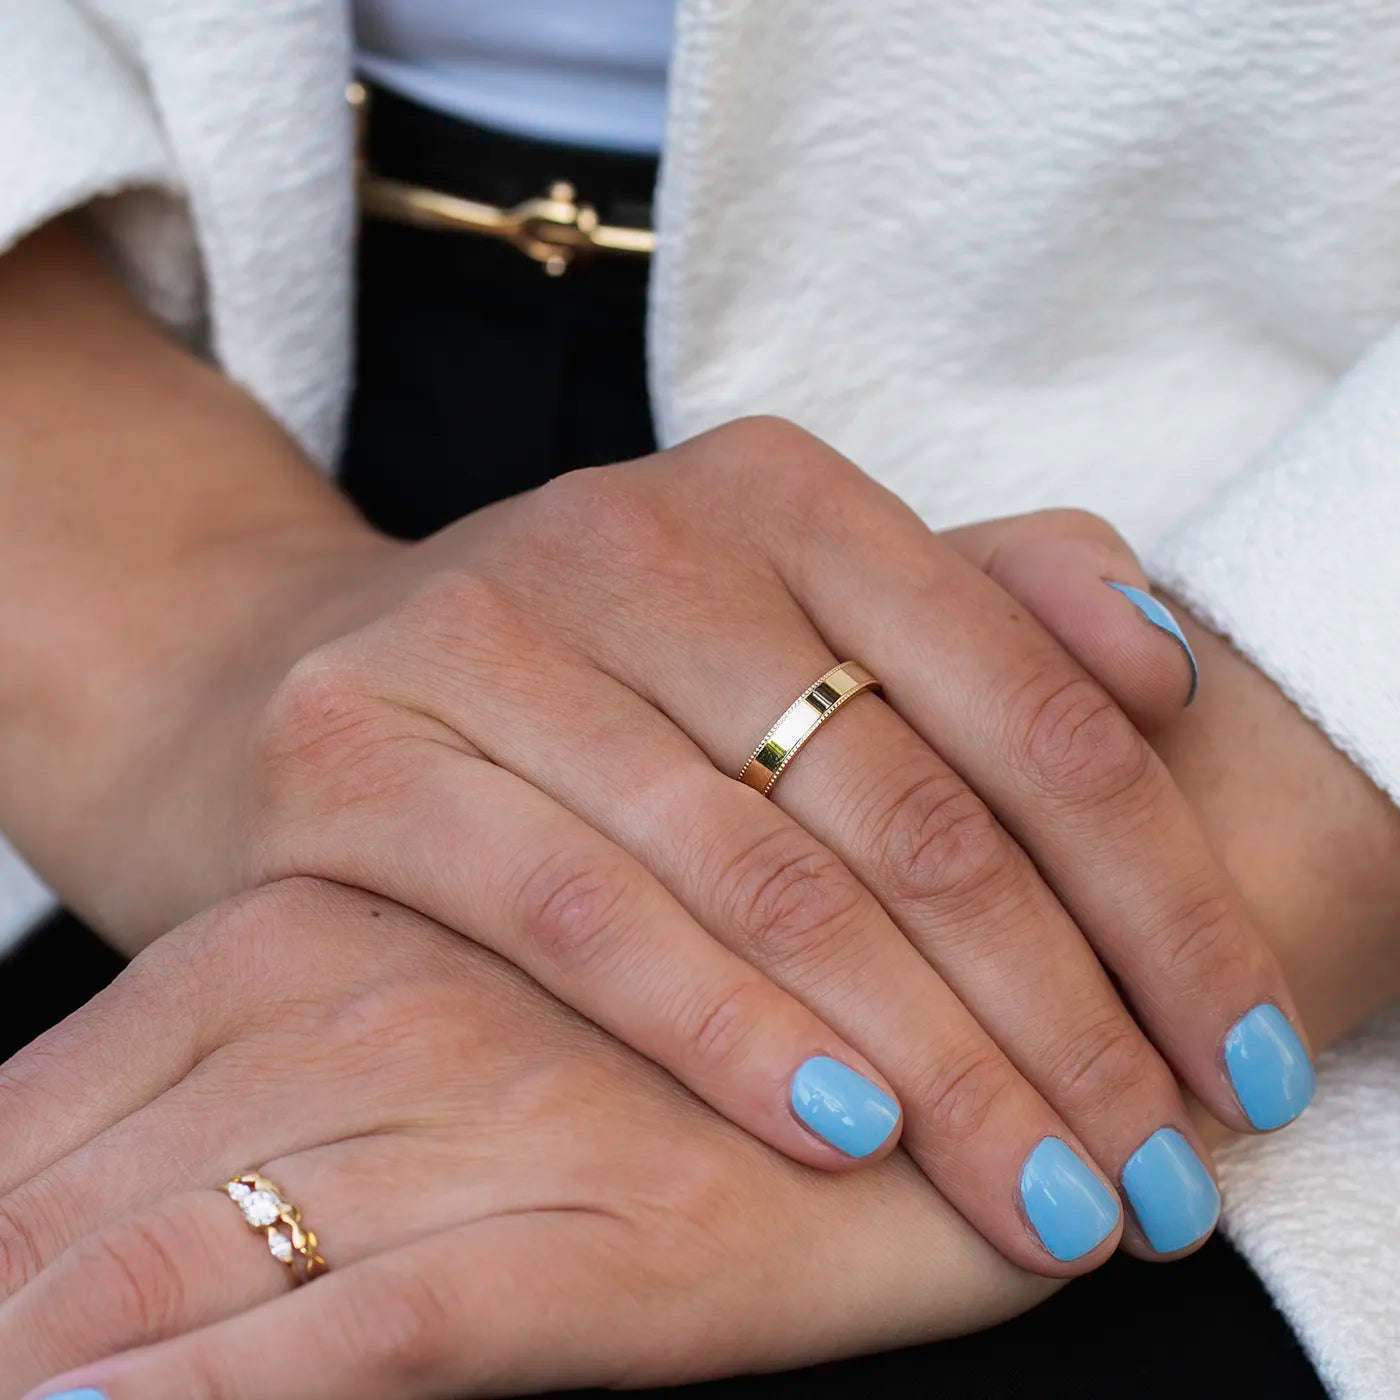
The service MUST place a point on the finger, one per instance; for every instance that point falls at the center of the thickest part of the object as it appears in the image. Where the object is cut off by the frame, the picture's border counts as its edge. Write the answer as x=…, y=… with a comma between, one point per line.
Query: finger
x=98, y=1065
x=187, y=1259
x=1083, y=583
x=969, y=899
x=1075, y=784
x=522, y=876
x=764, y=887
x=890, y=816
x=507, y=1306
x=213, y=1124
x=886, y=810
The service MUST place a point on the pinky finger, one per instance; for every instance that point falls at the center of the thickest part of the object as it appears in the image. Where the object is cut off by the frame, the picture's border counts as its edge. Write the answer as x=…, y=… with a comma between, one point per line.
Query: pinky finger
x=1082, y=582
x=509, y=1306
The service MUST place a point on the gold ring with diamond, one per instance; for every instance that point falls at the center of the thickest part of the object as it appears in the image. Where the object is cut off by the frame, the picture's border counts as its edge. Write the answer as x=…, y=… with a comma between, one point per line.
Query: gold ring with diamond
x=275, y=1218
x=801, y=720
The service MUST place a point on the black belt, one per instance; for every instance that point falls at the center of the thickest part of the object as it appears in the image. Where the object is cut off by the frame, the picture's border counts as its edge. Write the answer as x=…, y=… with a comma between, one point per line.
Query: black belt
x=560, y=205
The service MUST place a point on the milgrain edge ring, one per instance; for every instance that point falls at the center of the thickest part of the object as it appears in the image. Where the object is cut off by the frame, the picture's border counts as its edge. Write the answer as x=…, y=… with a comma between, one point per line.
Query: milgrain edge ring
x=268, y=1211
x=801, y=720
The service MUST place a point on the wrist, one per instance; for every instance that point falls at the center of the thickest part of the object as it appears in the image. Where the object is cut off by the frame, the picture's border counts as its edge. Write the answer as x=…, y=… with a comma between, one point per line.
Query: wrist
x=123, y=762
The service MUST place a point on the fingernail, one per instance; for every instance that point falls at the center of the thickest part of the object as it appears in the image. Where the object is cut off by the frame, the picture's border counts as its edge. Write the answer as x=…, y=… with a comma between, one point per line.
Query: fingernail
x=1158, y=616
x=87, y=1393
x=1270, y=1069
x=842, y=1106
x=1172, y=1194
x=1071, y=1209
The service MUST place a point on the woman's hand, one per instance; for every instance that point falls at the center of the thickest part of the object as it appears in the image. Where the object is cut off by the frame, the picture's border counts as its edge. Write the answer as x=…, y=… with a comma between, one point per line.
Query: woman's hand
x=527, y=728
x=508, y=1200
x=432, y=1111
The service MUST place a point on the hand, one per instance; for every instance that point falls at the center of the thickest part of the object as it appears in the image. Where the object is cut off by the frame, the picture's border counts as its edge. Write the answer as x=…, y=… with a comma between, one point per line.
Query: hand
x=523, y=729
x=303, y=1013
x=509, y=1200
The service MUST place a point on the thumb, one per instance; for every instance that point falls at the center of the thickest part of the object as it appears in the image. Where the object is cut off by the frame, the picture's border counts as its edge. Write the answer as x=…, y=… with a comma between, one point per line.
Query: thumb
x=1077, y=576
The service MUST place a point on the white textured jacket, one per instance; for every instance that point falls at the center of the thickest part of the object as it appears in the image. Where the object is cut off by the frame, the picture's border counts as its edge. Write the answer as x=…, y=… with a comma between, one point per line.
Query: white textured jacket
x=1138, y=257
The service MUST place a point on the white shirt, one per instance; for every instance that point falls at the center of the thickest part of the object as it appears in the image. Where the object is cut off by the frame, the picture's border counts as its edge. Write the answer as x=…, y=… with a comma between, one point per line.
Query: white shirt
x=589, y=72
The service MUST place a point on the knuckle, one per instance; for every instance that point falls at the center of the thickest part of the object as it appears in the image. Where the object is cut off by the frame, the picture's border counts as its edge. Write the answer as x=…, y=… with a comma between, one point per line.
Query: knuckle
x=1081, y=524
x=134, y=1270
x=570, y=910
x=315, y=740
x=459, y=612
x=1075, y=742
x=1199, y=942
x=719, y=1028
x=604, y=513
x=957, y=1098
x=237, y=928
x=935, y=841
x=316, y=705
x=760, y=435
x=792, y=460
x=20, y=1255
x=240, y=947
x=791, y=901
x=404, y=1332
x=1104, y=1060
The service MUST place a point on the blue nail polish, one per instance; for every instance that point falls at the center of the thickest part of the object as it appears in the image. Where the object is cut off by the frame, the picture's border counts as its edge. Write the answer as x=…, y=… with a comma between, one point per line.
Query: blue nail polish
x=87, y=1393
x=1173, y=1195
x=1071, y=1209
x=1271, y=1072
x=842, y=1106
x=1158, y=616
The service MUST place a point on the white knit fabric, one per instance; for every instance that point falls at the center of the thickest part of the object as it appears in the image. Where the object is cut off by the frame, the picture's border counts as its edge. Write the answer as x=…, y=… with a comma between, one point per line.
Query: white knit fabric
x=1013, y=253
x=1004, y=253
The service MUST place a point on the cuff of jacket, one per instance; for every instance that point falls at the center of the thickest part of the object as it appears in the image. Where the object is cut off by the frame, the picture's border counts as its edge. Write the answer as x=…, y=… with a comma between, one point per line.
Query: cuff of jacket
x=83, y=130
x=1297, y=564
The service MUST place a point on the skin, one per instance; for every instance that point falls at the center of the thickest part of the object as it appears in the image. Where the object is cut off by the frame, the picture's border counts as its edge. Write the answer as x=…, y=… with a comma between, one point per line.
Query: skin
x=522, y=728
x=596, y=1223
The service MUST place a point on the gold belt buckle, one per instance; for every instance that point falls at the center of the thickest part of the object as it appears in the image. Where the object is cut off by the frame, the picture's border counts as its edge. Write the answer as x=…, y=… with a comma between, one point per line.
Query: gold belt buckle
x=553, y=229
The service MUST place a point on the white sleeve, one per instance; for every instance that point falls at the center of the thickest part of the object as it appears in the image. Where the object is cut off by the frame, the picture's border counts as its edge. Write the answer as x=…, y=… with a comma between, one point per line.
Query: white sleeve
x=1297, y=562
x=79, y=129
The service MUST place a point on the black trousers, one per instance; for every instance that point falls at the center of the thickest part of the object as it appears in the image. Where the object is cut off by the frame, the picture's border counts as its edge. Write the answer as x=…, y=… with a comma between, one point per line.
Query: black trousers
x=479, y=377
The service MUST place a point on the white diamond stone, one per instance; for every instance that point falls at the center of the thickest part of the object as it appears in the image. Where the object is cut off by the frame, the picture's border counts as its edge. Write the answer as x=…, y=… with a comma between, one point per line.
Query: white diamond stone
x=280, y=1246
x=239, y=1190
x=261, y=1208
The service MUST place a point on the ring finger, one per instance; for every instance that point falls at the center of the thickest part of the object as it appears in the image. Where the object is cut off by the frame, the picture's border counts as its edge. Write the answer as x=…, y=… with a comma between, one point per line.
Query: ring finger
x=179, y=1261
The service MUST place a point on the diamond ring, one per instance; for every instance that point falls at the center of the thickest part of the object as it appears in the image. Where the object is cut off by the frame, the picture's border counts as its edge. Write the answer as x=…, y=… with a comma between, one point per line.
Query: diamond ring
x=275, y=1218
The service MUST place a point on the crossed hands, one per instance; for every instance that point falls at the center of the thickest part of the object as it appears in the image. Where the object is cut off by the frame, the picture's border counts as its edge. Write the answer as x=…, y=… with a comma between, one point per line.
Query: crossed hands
x=978, y=920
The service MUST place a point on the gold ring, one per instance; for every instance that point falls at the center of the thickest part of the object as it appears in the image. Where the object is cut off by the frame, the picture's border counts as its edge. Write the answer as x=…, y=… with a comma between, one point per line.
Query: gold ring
x=801, y=720
x=269, y=1213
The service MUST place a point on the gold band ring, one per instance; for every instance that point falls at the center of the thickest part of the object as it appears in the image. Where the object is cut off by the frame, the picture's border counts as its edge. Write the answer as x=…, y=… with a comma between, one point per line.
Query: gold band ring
x=801, y=720
x=269, y=1213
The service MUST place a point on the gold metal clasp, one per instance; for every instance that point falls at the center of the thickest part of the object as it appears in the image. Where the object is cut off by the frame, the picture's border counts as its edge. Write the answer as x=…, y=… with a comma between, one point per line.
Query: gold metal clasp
x=553, y=229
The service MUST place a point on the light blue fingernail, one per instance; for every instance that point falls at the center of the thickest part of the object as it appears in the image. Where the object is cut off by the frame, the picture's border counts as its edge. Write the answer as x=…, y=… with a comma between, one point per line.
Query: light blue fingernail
x=1270, y=1069
x=1071, y=1209
x=1173, y=1195
x=1158, y=616
x=842, y=1106
x=87, y=1393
